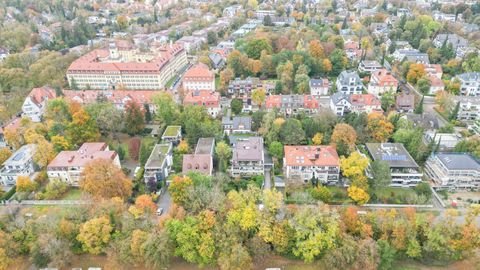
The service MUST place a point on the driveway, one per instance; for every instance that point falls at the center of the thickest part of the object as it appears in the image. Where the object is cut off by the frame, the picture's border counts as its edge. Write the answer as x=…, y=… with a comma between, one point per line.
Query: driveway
x=165, y=201
x=267, y=182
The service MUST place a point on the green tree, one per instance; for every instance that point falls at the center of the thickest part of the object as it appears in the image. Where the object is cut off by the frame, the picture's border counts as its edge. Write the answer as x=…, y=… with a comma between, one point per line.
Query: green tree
x=254, y=48
x=388, y=100
x=237, y=105
x=454, y=113
x=381, y=175
x=95, y=235
x=387, y=255
x=292, y=132
x=423, y=85
x=134, y=118
x=224, y=153
x=419, y=107
x=167, y=109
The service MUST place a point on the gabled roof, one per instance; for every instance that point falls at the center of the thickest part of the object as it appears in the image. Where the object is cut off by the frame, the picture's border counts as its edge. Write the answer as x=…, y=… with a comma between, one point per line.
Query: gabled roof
x=86, y=153
x=303, y=155
x=198, y=72
x=38, y=95
x=364, y=100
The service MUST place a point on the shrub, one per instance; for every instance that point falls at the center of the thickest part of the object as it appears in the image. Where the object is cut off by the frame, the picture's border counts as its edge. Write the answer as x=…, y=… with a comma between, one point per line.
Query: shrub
x=321, y=193
x=54, y=190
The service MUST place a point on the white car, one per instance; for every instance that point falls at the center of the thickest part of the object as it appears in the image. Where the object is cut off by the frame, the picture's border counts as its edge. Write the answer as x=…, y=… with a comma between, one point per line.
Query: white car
x=159, y=211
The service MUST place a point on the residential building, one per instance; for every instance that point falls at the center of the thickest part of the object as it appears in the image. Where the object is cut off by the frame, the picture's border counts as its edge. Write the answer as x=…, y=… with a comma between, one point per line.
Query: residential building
x=457, y=42
x=454, y=171
x=120, y=66
x=382, y=81
x=19, y=164
x=445, y=141
x=314, y=162
x=469, y=83
x=405, y=102
x=369, y=66
x=411, y=55
x=206, y=98
x=348, y=82
x=365, y=103
x=319, y=87
x=434, y=69
x=248, y=157
x=218, y=61
x=159, y=163
x=232, y=11
x=237, y=125
x=340, y=104
x=172, y=134
x=242, y=88
x=12, y=125
x=404, y=170
x=352, y=49
x=199, y=77
x=292, y=104
x=469, y=108
x=119, y=98
x=68, y=166
x=436, y=84
x=202, y=160
x=36, y=102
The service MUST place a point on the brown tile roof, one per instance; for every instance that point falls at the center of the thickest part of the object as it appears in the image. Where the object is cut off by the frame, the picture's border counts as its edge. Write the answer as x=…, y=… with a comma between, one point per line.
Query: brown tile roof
x=38, y=95
x=308, y=155
x=197, y=162
x=199, y=72
x=364, y=100
x=205, y=98
x=86, y=153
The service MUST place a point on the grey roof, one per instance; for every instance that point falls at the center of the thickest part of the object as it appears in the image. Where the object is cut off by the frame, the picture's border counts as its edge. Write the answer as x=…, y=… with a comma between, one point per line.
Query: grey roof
x=318, y=82
x=338, y=96
x=205, y=146
x=158, y=155
x=459, y=161
x=21, y=156
x=417, y=57
x=246, y=121
x=453, y=39
x=248, y=149
x=394, y=154
x=226, y=120
x=345, y=76
x=371, y=63
x=216, y=59
x=469, y=76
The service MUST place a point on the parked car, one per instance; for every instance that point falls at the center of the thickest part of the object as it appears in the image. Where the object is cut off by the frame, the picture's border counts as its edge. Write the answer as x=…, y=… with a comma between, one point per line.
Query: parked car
x=159, y=211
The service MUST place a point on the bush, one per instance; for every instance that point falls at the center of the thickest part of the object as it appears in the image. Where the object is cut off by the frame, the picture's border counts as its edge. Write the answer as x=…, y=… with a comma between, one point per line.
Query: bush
x=134, y=148
x=423, y=189
x=9, y=194
x=321, y=193
x=54, y=190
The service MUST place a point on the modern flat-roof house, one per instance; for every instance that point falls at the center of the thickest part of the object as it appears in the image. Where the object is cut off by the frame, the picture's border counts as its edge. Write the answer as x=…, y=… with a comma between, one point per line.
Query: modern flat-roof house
x=237, y=125
x=248, y=157
x=453, y=171
x=382, y=81
x=172, y=134
x=159, y=164
x=242, y=88
x=121, y=66
x=404, y=170
x=202, y=160
x=199, y=77
x=36, y=102
x=469, y=109
x=304, y=163
x=319, y=87
x=369, y=66
x=469, y=83
x=348, y=82
x=68, y=166
x=445, y=141
x=19, y=164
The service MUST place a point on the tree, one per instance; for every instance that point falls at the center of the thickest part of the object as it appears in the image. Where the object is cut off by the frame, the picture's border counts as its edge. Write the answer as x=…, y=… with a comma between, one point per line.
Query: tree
x=423, y=85
x=134, y=118
x=258, y=96
x=285, y=72
x=44, y=153
x=339, y=61
x=322, y=193
x=183, y=147
x=122, y=22
x=134, y=148
x=5, y=153
x=454, y=113
x=254, y=48
x=387, y=254
x=423, y=189
x=302, y=83
x=344, y=135
x=381, y=175
x=102, y=178
x=95, y=235
x=178, y=188
x=237, y=105
x=267, y=21
x=167, y=109
x=212, y=38
x=359, y=195
x=224, y=153
x=157, y=249
x=415, y=72
x=470, y=145
x=148, y=114
x=388, y=100
x=24, y=184
x=316, y=50
x=225, y=76
x=82, y=128
x=419, y=107
x=276, y=150
x=379, y=128
x=143, y=204
x=291, y=132
x=317, y=139
x=354, y=168
x=444, y=101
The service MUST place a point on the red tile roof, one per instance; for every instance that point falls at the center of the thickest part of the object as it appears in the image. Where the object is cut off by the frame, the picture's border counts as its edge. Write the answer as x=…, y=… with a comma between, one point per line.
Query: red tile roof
x=303, y=155
x=38, y=95
x=435, y=81
x=199, y=72
x=205, y=98
x=384, y=78
x=364, y=100
x=198, y=163
x=79, y=158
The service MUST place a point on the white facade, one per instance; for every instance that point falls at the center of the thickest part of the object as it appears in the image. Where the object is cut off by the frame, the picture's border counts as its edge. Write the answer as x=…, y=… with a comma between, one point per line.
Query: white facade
x=32, y=110
x=19, y=164
x=199, y=85
x=469, y=84
x=453, y=171
x=340, y=107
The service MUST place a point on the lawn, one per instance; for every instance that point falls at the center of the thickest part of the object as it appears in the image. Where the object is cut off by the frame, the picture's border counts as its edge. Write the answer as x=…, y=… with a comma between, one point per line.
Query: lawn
x=393, y=195
x=73, y=194
x=171, y=131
